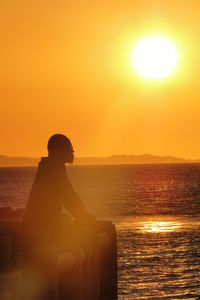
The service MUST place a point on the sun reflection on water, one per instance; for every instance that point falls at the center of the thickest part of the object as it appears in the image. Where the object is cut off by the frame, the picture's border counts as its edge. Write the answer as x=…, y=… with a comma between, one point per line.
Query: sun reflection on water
x=159, y=226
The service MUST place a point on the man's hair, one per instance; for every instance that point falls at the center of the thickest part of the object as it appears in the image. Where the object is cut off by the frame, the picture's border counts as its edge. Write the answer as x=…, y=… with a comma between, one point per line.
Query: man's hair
x=58, y=141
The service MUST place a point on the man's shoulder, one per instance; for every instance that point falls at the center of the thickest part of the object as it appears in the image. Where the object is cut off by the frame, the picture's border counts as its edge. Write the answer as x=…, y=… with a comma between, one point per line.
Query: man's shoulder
x=51, y=166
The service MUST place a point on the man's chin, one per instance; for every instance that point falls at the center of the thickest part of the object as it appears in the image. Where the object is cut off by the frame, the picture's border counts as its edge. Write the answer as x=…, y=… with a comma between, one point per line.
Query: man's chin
x=69, y=160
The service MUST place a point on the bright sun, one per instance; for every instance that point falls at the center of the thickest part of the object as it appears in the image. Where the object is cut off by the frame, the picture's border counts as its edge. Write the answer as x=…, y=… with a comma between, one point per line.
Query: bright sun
x=154, y=58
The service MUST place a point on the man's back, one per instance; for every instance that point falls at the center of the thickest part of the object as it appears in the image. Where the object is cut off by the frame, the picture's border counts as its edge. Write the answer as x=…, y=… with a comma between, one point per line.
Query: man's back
x=50, y=191
x=45, y=200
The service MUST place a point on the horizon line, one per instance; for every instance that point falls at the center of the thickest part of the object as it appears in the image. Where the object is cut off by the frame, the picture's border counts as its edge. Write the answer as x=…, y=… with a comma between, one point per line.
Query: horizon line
x=108, y=156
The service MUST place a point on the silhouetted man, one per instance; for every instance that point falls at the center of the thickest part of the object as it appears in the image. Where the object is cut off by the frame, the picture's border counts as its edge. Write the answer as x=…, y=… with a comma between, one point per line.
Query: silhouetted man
x=50, y=191
x=41, y=224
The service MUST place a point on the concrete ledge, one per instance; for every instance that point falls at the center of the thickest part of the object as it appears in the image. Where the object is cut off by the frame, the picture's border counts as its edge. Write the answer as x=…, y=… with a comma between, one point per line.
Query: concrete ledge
x=81, y=265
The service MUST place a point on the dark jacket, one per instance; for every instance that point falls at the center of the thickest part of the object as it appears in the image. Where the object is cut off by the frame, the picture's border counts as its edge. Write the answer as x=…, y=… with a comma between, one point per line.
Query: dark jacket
x=50, y=191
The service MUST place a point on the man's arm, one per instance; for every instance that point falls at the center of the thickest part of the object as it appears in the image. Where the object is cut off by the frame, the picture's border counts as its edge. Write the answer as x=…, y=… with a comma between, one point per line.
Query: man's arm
x=72, y=201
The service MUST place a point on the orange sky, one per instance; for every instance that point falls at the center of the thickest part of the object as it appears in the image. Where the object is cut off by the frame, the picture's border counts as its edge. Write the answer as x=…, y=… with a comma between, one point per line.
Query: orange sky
x=66, y=67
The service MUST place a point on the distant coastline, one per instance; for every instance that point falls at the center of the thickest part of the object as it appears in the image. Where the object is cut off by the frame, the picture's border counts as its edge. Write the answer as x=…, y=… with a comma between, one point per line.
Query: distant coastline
x=11, y=161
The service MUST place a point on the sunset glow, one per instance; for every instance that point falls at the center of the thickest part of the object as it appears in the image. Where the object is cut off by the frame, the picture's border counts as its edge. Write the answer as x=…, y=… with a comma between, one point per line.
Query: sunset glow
x=69, y=68
x=100, y=149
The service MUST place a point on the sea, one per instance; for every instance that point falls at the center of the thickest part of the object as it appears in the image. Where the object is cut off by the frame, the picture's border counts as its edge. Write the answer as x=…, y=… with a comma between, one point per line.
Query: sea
x=156, y=210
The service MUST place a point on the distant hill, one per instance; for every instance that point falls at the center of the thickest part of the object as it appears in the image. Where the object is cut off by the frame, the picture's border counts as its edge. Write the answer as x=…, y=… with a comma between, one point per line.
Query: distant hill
x=8, y=161
x=131, y=159
x=12, y=161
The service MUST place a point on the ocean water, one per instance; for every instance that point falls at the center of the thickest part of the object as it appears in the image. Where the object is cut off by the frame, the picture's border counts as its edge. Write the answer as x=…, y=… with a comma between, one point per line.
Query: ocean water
x=156, y=209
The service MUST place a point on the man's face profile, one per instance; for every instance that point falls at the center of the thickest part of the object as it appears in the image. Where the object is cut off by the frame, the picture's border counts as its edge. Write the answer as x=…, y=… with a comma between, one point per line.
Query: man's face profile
x=68, y=154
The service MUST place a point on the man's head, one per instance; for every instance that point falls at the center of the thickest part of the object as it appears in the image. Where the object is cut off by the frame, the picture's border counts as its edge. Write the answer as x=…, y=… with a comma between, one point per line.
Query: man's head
x=60, y=148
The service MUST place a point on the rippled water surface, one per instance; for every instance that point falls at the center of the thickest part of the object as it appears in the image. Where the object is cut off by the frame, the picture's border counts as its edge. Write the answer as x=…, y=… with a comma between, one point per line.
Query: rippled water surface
x=156, y=209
